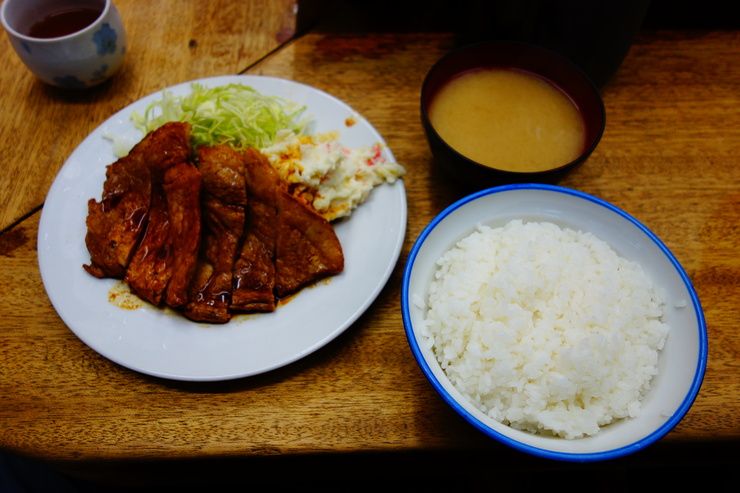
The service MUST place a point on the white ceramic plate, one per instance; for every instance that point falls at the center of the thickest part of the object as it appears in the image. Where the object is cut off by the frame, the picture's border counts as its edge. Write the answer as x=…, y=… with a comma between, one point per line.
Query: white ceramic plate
x=165, y=344
x=682, y=361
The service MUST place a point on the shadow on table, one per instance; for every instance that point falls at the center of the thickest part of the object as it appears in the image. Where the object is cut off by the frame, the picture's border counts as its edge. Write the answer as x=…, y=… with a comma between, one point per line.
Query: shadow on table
x=662, y=466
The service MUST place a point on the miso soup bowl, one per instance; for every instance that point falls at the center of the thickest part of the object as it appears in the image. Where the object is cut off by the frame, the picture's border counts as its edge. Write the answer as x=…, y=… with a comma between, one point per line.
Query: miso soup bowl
x=528, y=59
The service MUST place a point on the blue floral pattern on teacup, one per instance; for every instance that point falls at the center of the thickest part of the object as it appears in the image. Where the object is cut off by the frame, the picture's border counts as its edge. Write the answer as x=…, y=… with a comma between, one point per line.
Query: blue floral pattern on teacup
x=105, y=39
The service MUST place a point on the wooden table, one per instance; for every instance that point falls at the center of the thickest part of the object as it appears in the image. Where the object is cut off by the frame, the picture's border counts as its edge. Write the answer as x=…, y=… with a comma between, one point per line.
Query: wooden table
x=669, y=156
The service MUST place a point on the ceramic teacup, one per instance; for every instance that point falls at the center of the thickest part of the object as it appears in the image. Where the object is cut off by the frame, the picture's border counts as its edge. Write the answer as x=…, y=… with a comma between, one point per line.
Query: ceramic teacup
x=64, y=42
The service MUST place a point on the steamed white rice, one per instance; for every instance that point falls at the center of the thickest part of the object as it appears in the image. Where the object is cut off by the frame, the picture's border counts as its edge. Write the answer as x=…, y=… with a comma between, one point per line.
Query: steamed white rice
x=545, y=329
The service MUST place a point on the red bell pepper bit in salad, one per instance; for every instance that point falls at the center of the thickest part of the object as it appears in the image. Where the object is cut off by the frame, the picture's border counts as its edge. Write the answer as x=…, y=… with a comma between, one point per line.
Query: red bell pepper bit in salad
x=377, y=157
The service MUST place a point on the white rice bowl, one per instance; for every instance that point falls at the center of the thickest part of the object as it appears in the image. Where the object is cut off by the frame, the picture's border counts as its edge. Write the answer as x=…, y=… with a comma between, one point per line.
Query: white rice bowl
x=586, y=390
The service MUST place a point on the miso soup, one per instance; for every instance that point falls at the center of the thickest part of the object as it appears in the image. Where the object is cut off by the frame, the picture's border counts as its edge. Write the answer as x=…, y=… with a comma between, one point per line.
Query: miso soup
x=508, y=120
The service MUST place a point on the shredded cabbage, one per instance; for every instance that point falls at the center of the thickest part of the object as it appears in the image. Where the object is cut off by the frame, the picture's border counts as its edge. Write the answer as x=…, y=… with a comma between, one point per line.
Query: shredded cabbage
x=233, y=114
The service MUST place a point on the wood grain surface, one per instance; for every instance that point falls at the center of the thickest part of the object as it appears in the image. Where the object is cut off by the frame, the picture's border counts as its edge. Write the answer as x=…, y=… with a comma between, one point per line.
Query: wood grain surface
x=668, y=157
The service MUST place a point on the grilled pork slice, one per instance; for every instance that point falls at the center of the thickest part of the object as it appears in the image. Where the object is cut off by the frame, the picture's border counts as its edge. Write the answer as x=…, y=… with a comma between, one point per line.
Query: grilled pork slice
x=164, y=261
x=307, y=246
x=116, y=223
x=223, y=204
x=182, y=188
x=254, y=270
x=149, y=271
